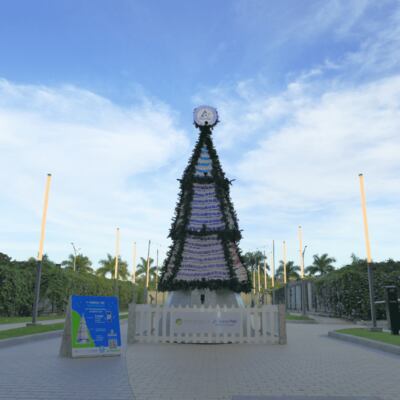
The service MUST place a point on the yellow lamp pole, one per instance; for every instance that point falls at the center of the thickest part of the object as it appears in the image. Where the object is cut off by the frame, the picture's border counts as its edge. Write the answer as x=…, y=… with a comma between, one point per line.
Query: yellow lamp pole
x=134, y=263
x=259, y=279
x=40, y=253
x=368, y=248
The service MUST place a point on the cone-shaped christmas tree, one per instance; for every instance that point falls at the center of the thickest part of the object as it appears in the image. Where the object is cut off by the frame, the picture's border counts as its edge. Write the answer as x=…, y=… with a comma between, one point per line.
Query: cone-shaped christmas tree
x=204, y=253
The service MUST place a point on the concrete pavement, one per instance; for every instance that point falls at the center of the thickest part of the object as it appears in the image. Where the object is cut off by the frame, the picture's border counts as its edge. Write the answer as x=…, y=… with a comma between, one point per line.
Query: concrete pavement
x=311, y=364
x=34, y=371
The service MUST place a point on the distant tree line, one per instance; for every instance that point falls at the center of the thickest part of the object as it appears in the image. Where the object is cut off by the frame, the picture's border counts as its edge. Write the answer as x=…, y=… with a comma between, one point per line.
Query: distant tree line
x=59, y=281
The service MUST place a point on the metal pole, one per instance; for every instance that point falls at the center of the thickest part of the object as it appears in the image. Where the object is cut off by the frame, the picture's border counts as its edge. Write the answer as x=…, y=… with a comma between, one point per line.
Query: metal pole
x=40, y=254
x=301, y=253
x=273, y=265
x=156, y=278
x=368, y=248
x=134, y=263
x=265, y=272
x=284, y=273
x=303, y=285
x=116, y=263
x=75, y=252
x=284, y=263
x=147, y=274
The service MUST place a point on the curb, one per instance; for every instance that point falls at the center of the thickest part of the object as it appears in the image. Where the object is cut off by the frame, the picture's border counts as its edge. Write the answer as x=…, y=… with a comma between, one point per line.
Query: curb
x=37, y=336
x=389, y=348
x=29, y=338
x=299, y=321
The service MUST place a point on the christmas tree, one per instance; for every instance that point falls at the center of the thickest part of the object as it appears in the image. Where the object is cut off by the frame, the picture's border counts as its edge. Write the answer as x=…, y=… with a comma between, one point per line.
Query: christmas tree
x=205, y=234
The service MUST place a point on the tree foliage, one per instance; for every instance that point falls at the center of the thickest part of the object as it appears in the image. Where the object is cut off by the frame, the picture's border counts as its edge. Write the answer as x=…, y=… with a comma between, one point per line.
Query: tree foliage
x=321, y=265
x=82, y=263
x=292, y=271
x=17, y=282
x=108, y=266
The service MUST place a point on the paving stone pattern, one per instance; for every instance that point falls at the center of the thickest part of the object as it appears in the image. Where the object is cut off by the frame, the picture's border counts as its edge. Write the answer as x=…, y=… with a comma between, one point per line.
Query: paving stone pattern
x=311, y=364
x=34, y=371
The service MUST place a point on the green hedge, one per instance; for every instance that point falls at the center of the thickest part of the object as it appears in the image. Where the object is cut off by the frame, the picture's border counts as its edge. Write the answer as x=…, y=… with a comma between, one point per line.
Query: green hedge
x=17, y=281
x=345, y=293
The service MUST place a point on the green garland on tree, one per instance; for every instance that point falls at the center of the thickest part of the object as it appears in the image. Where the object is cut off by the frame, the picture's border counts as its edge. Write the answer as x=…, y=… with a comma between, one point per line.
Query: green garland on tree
x=227, y=233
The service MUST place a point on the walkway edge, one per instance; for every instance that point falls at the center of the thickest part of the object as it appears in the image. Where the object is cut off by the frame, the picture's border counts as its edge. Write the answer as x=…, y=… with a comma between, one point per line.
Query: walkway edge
x=29, y=338
x=389, y=348
x=37, y=336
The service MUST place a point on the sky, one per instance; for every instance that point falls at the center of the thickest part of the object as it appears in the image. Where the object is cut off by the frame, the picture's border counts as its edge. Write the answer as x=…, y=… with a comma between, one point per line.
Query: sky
x=100, y=94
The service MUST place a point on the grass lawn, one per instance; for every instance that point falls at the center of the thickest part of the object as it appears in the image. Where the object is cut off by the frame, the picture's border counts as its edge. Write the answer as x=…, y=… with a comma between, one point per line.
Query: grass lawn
x=378, y=336
x=298, y=317
x=30, y=330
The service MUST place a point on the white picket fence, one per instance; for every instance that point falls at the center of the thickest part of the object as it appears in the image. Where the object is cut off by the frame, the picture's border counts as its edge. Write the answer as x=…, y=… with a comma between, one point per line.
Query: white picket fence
x=163, y=324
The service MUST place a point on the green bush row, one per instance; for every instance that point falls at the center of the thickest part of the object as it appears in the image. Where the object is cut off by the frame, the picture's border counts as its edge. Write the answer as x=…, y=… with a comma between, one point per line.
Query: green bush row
x=345, y=293
x=17, y=281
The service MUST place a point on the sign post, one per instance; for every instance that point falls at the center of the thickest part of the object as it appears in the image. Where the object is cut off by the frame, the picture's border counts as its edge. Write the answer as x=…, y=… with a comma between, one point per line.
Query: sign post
x=92, y=327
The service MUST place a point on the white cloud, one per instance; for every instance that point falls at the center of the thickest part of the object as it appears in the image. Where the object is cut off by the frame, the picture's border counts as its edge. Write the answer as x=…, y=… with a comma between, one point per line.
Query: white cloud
x=302, y=162
x=110, y=164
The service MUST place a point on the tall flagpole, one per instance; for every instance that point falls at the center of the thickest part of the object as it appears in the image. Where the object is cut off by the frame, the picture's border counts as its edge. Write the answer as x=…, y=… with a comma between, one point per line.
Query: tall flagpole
x=134, y=263
x=40, y=253
x=368, y=248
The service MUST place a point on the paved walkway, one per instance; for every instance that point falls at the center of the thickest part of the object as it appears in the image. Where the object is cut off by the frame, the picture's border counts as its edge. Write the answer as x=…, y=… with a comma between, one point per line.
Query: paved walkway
x=34, y=371
x=311, y=364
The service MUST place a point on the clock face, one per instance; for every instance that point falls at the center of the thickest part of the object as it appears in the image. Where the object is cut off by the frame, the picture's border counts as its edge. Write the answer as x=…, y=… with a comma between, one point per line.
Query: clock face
x=205, y=115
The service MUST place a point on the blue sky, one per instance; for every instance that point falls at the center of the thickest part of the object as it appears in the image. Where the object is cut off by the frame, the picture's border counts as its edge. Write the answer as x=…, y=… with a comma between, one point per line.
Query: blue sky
x=101, y=94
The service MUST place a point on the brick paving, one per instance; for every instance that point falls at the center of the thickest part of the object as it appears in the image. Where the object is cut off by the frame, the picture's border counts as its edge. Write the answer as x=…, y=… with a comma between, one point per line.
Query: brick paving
x=34, y=371
x=311, y=364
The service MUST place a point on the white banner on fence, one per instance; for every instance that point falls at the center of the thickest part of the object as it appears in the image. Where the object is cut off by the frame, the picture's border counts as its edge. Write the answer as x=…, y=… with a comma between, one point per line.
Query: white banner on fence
x=188, y=322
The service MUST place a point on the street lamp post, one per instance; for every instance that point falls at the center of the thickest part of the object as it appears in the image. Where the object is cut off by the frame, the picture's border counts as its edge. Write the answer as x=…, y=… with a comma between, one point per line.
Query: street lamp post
x=116, y=263
x=75, y=255
x=40, y=253
x=303, y=282
x=303, y=286
x=369, y=258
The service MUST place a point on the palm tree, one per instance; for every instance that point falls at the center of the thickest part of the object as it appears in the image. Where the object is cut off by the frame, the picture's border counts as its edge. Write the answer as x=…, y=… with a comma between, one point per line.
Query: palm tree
x=291, y=271
x=253, y=258
x=321, y=265
x=82, y=263
x=141, y=269
x=108, y=265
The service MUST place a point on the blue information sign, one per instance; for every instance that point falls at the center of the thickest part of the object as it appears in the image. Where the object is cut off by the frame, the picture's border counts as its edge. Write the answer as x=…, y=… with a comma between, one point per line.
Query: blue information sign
x=95, y=328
